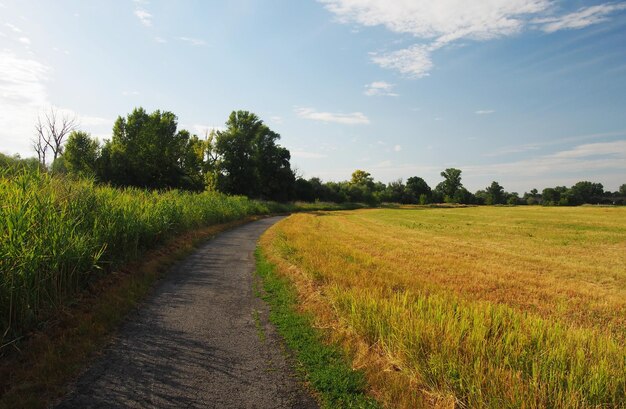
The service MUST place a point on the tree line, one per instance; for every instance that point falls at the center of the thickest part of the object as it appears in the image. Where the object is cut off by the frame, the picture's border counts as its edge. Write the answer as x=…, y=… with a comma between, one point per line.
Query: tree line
x=147, y=150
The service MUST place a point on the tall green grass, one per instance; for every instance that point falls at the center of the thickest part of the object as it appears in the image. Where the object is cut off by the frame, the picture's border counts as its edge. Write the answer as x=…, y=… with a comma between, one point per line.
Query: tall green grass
x=56, y=233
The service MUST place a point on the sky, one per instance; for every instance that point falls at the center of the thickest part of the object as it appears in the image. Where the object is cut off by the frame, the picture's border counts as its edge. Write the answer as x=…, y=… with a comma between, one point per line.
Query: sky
x=530, y=93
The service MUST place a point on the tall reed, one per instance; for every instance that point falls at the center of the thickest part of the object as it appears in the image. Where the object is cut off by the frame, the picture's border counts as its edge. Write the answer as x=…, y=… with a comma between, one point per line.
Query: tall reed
x=56, y=232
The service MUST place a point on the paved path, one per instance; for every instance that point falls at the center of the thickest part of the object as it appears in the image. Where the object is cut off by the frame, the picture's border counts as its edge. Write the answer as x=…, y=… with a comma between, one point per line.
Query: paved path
x=197, y=342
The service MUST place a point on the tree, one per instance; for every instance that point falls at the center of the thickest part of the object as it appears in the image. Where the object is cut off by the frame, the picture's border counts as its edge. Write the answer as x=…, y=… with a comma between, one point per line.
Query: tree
x=361, y=177
x=50, y=132
x=451, y=184
x=417, y=187
x=81, y=153
x=550, y=196
x=249, y=160
x=622, y=190
x=147, y=151
x=495, y=193
x=588, y=192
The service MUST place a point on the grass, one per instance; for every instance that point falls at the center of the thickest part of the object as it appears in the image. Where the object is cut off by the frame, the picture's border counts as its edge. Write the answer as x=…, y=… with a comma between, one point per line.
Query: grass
x=520, y=307
x=325, y=367
x=50, y=357
x=58, y=235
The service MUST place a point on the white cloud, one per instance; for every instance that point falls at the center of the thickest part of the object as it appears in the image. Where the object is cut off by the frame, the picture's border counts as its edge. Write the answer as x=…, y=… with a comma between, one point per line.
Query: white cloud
x=144, y=17
x=24, y=40
x=484, y=111
x=380, y=88
x=582, y=18
x=436, y=24
x=414, y=61
x=307, y=155
x=192, y=41
x=581, y=158
x=276, y=119
x=130, y=93
x=13, y=28
x=160, y=40
x=22, y=95
x=397, y=148
x=354, y=118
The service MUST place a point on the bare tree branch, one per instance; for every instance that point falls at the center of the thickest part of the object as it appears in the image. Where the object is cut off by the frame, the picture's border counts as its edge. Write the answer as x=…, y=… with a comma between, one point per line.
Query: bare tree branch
x=50, y=133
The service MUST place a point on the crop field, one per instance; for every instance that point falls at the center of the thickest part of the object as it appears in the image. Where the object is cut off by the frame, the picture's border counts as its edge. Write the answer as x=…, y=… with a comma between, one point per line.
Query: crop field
x=500, y=307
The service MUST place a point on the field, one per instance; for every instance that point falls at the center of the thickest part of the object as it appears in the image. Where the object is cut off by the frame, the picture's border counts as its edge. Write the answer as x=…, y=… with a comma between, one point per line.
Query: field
x=495, y=307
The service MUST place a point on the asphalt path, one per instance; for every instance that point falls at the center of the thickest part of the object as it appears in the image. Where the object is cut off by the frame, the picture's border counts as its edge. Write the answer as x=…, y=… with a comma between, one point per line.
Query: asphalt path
x=201, y=340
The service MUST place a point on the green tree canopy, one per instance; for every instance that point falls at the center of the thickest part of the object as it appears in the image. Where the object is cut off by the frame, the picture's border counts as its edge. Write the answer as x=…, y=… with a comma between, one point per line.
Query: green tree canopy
x=451, y=184
x=81, y=153
x=495, y=193
x=250, y=162
x=147, y=151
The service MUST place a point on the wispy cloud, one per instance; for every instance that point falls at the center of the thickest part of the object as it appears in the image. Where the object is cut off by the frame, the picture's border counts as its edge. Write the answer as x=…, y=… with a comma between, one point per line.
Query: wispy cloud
x=22, y=94
x=397, y=148
x=484, y=111
x=380, y=88
x=160, y=40
x=354, y=118
x=192, y=41
x=276, y=119
x=436, y=24
x=13, y=28
x=584, y=17
x=24, y=40
x=130, y=93
x=144, y=16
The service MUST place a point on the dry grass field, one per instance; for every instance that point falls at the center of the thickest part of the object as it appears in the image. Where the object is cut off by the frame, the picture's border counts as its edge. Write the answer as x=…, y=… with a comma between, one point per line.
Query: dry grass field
x=497, y=307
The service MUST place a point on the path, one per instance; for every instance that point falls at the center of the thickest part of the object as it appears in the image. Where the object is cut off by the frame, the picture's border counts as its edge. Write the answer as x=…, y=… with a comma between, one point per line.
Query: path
x=201, y=341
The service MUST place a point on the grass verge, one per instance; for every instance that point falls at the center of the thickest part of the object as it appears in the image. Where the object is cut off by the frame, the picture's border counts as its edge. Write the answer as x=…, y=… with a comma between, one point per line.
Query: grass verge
x=36, y=372
x=325, y=367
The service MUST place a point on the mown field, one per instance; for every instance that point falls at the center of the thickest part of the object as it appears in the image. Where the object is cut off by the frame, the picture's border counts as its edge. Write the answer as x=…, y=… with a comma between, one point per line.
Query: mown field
x=500, y=307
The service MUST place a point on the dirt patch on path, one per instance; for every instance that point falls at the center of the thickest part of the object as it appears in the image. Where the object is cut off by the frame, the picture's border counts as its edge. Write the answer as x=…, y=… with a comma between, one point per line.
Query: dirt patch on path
x=202, y=340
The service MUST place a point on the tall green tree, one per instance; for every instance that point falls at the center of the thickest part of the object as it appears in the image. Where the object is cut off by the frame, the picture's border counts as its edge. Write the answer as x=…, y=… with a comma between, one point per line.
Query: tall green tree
x=417, y=188
x=81, y=153
x=588, y=192
x=495, y=194
x=147, y=151
x=250, y=162
x=451, y=184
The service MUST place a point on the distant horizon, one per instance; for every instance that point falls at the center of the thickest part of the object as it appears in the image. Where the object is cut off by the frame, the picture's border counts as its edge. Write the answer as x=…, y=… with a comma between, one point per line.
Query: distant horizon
x=529, y=93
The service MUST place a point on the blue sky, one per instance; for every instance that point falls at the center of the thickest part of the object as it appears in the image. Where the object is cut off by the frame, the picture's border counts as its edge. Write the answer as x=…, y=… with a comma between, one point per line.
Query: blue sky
x=531, y=93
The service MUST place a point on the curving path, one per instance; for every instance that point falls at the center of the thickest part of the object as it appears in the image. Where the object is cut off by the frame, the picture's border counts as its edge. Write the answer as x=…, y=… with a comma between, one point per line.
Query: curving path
x=202, y=340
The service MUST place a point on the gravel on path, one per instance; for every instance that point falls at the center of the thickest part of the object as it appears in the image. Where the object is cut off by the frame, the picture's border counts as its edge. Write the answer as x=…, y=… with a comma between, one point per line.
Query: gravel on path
x=201, y=340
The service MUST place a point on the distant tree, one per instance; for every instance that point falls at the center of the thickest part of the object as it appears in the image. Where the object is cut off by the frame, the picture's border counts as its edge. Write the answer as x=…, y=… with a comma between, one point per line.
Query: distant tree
x=304, y=190
x=513, y=198
x=81, y=153
x=622, y=190
x=451, y=184
x=495, y=194
x=50, y=132
x=550, y=196
x=361, y=177
x=395, y=192
x=416, y=187
x=588, y=192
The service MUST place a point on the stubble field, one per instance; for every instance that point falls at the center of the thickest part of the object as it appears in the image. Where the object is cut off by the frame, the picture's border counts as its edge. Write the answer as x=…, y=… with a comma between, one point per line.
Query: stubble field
x=468, y=307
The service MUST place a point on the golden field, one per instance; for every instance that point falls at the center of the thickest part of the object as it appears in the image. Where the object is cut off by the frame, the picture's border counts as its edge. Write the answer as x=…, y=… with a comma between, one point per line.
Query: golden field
x=521, y=307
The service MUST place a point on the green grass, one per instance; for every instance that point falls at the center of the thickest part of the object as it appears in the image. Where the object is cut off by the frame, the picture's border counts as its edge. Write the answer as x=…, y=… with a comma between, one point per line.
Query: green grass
x=325, y=367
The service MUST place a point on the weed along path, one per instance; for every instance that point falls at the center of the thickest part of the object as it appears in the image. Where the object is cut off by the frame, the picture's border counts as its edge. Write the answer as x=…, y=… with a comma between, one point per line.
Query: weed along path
x=202, y=340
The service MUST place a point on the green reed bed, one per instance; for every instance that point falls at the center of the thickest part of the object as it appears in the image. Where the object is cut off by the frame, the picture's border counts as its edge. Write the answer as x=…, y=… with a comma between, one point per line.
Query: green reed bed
x=56, y=233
